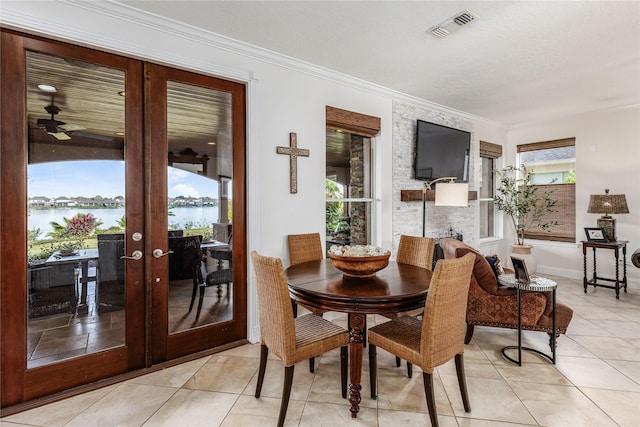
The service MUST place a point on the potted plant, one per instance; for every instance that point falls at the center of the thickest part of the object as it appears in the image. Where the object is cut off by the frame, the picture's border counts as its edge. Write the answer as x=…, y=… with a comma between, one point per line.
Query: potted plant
x=525, y=204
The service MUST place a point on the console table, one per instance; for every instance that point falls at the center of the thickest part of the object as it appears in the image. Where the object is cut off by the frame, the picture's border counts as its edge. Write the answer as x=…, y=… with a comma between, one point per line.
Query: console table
x=616, y=247
x=539, y=284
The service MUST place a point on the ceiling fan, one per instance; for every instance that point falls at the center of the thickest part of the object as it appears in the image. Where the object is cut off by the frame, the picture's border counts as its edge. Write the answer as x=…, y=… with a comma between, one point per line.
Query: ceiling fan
x=56, y=128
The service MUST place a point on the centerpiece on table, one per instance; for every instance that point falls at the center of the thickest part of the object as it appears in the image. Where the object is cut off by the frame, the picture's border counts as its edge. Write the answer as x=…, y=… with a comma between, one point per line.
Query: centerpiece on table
x=359, y=261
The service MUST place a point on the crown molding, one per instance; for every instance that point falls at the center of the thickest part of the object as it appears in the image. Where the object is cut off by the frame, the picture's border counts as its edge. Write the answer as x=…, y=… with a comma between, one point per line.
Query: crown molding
x=33, y=23
x=118, y=11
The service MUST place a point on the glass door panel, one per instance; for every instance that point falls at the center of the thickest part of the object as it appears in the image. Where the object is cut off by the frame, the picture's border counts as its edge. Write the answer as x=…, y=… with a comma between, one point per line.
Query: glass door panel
x=76, y=201
x=199, y=153
x=199, y=169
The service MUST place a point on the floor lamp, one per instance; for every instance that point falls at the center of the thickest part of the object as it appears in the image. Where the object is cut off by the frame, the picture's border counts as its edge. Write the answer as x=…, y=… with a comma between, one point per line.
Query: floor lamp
x=449, y=193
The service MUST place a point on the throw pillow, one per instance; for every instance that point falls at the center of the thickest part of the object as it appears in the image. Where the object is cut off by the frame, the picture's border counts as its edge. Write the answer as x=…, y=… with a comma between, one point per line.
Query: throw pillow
x=494, y=262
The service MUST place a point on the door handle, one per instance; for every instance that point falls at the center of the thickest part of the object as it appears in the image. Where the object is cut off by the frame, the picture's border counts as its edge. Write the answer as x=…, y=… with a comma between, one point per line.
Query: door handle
x=159, y=254
x=135, y=255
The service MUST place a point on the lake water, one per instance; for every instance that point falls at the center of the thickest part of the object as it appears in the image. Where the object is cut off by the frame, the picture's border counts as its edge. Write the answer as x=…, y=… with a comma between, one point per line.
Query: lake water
x=197, y=216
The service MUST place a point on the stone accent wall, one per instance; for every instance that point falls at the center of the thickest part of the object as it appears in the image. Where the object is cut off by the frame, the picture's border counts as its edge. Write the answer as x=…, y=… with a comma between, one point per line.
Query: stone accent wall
x=357, y=211
x=407, y=216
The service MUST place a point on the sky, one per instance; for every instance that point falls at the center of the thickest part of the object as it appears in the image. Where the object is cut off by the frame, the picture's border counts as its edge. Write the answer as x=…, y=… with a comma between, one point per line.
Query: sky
x=88, y=178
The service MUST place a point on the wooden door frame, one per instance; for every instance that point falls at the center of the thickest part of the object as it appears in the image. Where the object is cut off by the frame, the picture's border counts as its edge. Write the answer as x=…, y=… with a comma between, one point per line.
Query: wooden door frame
x=162, y=346
x=19, y=385
x=13, y=246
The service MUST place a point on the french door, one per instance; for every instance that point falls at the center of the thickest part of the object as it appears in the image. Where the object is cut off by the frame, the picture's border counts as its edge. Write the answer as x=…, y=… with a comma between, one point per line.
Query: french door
x=212, y=110
x=122, y=197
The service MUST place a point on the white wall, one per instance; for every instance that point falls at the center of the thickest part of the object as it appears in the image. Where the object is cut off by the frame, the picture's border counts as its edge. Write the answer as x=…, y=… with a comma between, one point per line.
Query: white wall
x=607, y=156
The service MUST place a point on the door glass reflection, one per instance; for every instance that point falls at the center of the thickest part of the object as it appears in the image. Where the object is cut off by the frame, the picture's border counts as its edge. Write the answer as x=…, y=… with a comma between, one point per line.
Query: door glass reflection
x=199, y=210
x=76, y=209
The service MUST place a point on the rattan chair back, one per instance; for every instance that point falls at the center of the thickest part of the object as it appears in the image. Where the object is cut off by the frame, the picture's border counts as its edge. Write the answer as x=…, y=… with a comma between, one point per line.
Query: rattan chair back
x=304, y=247
x=416, y=251
x=277, y=330
x=443, y=322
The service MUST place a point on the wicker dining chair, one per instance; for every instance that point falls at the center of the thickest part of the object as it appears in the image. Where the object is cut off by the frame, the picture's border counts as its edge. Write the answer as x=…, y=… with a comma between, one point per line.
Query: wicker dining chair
x=435, y=339
x=291, y=339
x=416, y=251
x=304, y=248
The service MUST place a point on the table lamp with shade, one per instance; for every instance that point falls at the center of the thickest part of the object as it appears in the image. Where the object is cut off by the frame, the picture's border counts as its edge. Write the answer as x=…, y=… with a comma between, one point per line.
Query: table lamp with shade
x=608, y=204
x=449, y=193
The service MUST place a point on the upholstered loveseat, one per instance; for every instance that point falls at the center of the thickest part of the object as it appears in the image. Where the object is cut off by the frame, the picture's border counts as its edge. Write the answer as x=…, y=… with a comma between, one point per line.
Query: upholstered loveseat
x=492, y=305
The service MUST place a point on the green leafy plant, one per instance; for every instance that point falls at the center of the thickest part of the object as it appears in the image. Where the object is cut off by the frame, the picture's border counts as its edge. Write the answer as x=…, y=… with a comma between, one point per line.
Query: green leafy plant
x=571, y=178
x=44, y=251
x=334, y=211
x=70, y=245
x=524, y=203
x=34, y=234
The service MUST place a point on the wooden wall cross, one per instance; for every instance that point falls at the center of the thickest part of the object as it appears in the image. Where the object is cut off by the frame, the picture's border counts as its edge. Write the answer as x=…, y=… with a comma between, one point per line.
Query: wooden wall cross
x=293, y=152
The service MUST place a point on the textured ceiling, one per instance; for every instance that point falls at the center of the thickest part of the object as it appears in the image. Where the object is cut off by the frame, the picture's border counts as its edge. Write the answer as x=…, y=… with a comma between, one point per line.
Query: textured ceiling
x=520, y=62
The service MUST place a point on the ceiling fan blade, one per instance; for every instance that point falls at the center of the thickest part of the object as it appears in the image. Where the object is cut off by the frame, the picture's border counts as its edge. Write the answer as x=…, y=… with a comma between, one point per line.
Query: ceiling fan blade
x=60, y=136
x=93, y=136
x=55, y=127
x=70, y=127
x=49, y=122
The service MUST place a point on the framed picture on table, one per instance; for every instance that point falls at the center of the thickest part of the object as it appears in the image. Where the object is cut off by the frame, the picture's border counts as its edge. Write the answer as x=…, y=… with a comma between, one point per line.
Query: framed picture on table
x=595, y=234
x=520, y=270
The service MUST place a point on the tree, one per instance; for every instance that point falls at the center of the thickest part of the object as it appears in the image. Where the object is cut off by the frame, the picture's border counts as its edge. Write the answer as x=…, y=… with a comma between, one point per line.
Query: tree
x=522, y=201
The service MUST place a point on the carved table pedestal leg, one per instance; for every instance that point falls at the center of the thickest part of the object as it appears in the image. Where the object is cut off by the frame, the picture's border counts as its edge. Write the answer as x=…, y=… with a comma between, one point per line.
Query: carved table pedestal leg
x=356, y=334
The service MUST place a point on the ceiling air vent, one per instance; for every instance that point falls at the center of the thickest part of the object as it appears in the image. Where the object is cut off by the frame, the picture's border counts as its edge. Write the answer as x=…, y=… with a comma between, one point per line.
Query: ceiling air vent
x=464, y=18
x=453, y=24
x=439, y=31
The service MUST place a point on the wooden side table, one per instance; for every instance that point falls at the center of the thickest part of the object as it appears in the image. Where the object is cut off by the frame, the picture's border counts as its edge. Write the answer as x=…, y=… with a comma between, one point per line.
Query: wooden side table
x=537, y=284
x=616, y=247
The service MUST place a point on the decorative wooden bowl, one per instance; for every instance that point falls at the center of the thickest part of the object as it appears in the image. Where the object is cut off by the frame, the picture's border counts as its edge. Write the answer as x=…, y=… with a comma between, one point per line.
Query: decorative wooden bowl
x=359, y=266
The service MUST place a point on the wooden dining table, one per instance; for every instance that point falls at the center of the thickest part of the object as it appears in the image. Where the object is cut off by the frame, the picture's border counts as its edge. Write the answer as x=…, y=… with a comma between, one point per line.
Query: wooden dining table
x=396, y=288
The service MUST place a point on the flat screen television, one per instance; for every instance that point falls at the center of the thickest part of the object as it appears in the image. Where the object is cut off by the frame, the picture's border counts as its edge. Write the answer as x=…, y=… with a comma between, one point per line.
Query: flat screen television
x=441, y=152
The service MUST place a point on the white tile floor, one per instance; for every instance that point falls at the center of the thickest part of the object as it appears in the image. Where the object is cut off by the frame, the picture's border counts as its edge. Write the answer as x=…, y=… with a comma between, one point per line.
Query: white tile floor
x=595, y=383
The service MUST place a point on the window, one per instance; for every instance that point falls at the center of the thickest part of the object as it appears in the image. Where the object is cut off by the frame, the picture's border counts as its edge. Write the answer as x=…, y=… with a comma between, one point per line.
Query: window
x=348, y=189
x=553, y=164
x=348, y=185
x=488, y=154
